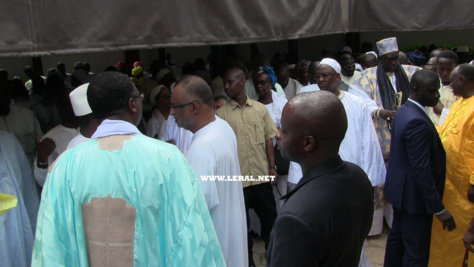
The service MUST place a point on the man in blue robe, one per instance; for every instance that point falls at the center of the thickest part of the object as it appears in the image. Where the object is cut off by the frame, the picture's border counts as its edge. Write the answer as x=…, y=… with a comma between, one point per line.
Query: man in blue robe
x=123, y=199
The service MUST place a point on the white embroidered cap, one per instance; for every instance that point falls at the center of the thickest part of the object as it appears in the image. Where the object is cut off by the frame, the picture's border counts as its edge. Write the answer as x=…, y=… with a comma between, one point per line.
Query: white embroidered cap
x=79, y=102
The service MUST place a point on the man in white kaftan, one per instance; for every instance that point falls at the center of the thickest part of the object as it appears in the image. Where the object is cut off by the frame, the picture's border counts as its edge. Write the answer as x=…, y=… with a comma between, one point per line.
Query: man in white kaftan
x=213, y=152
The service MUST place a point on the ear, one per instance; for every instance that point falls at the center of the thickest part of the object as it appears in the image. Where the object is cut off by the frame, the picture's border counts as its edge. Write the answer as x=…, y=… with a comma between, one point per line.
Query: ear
x=133, y=105
x=310, y=143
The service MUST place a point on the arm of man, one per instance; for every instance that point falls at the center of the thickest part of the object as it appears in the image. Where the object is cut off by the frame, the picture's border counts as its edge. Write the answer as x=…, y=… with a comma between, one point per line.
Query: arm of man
x=468, y=237
x=270, y=131
x=294, y=243
x=418, y=138
x=270, y=150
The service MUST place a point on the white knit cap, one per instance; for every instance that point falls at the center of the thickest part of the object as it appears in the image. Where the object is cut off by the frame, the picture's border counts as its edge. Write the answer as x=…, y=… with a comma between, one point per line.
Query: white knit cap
x=331, y=62
x=372, y=53
x=79, y=102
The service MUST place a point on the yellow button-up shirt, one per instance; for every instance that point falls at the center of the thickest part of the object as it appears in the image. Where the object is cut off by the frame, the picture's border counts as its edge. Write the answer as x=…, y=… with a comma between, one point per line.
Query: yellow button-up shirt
x=252, y=126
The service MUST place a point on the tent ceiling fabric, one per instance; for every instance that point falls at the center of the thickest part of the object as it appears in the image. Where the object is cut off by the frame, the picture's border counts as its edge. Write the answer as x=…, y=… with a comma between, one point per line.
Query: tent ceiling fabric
x=45, y=27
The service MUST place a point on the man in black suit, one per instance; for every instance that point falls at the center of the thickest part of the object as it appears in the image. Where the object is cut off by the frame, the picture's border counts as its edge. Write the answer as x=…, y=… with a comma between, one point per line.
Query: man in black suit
x=326, y=218
x=415, y=176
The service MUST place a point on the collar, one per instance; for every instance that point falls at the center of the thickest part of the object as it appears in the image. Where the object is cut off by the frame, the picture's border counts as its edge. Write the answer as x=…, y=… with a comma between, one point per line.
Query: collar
x=330, y=165
x=235, y=105
x=418, y=105
x=115, y=127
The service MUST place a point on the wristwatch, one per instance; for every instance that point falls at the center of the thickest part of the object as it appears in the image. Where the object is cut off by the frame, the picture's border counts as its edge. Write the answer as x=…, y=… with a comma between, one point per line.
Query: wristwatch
x=272, y=167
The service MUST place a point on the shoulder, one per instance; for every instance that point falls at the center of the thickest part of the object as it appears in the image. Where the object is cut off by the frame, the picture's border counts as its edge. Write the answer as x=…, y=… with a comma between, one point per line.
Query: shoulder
x=225, y=109
x=410, y=70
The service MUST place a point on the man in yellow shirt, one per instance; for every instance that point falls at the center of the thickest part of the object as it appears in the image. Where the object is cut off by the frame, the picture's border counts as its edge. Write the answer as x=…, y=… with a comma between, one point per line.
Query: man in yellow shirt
x=457, y=135
x=254, y=129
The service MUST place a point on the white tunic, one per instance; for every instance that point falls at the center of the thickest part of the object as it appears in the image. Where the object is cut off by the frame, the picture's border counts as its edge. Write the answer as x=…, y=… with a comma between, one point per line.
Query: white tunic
x=213, y=151
x=78, y=139
x=156, y=127
x=61, y=136
x=181, y=136
x=360, y=145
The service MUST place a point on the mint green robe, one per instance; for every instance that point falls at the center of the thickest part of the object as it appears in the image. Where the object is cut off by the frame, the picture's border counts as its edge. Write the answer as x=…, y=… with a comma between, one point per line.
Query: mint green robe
x=172, y=224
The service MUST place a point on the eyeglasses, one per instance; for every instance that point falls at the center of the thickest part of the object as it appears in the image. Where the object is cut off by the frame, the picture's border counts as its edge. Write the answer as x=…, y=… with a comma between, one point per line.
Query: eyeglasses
x=183, y=105
x=324, y=75
x=141, y=96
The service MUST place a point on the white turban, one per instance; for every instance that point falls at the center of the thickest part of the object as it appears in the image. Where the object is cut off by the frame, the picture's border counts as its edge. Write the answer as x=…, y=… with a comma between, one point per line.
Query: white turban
x=154, y=92
x=331, y=62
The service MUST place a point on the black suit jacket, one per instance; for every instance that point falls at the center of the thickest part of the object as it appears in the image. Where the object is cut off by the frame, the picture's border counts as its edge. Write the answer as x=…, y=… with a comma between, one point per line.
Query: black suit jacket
x=325, y=219
x=417, y=166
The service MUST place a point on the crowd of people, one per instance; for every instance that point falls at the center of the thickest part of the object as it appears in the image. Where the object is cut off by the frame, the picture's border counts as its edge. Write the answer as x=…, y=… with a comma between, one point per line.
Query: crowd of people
x=183, y=166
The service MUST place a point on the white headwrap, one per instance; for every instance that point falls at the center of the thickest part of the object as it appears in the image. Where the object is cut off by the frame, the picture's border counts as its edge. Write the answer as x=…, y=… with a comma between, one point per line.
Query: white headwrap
x=331, y=62
x=154, y=92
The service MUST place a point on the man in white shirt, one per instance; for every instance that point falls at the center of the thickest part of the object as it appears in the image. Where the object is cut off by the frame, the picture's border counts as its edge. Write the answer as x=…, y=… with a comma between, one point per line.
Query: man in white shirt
x=56, y=140
x=213, y=152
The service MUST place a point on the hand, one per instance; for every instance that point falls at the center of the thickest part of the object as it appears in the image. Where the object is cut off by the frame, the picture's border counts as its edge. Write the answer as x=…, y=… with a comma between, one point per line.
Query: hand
x=468, y=240
x=171, y=141
x=447, y=220
x=273, y=172
x=387, y=114
x=470, y=193
x=45, y=148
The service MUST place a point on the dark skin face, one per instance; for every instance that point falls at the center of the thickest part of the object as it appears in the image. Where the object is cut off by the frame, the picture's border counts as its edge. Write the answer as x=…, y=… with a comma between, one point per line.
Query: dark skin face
x=234, y=83
x=368, y=61
x=262, y=84
x=303, y=76
x=445, y=66
x=289, y=136
x=330, y=82
x=456, y=82
x=427, y=95
x=348, y=65
x=390, y=61
x=283, y=76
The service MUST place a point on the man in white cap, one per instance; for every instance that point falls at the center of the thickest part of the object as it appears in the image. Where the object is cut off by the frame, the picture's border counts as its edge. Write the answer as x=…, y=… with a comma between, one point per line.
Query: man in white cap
x=87, y=122
x=387, y=85
x=55, y=141
x=360, y=144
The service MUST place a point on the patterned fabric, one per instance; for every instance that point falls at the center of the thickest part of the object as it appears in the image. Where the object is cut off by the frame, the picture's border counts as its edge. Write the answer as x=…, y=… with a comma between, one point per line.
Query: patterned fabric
x=387, y=45
x=367, y=83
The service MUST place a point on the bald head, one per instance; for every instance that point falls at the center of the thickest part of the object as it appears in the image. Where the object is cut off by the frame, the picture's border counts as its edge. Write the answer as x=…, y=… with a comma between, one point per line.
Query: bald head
x=323, y=113
x=313, y=127
x=196, y=89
